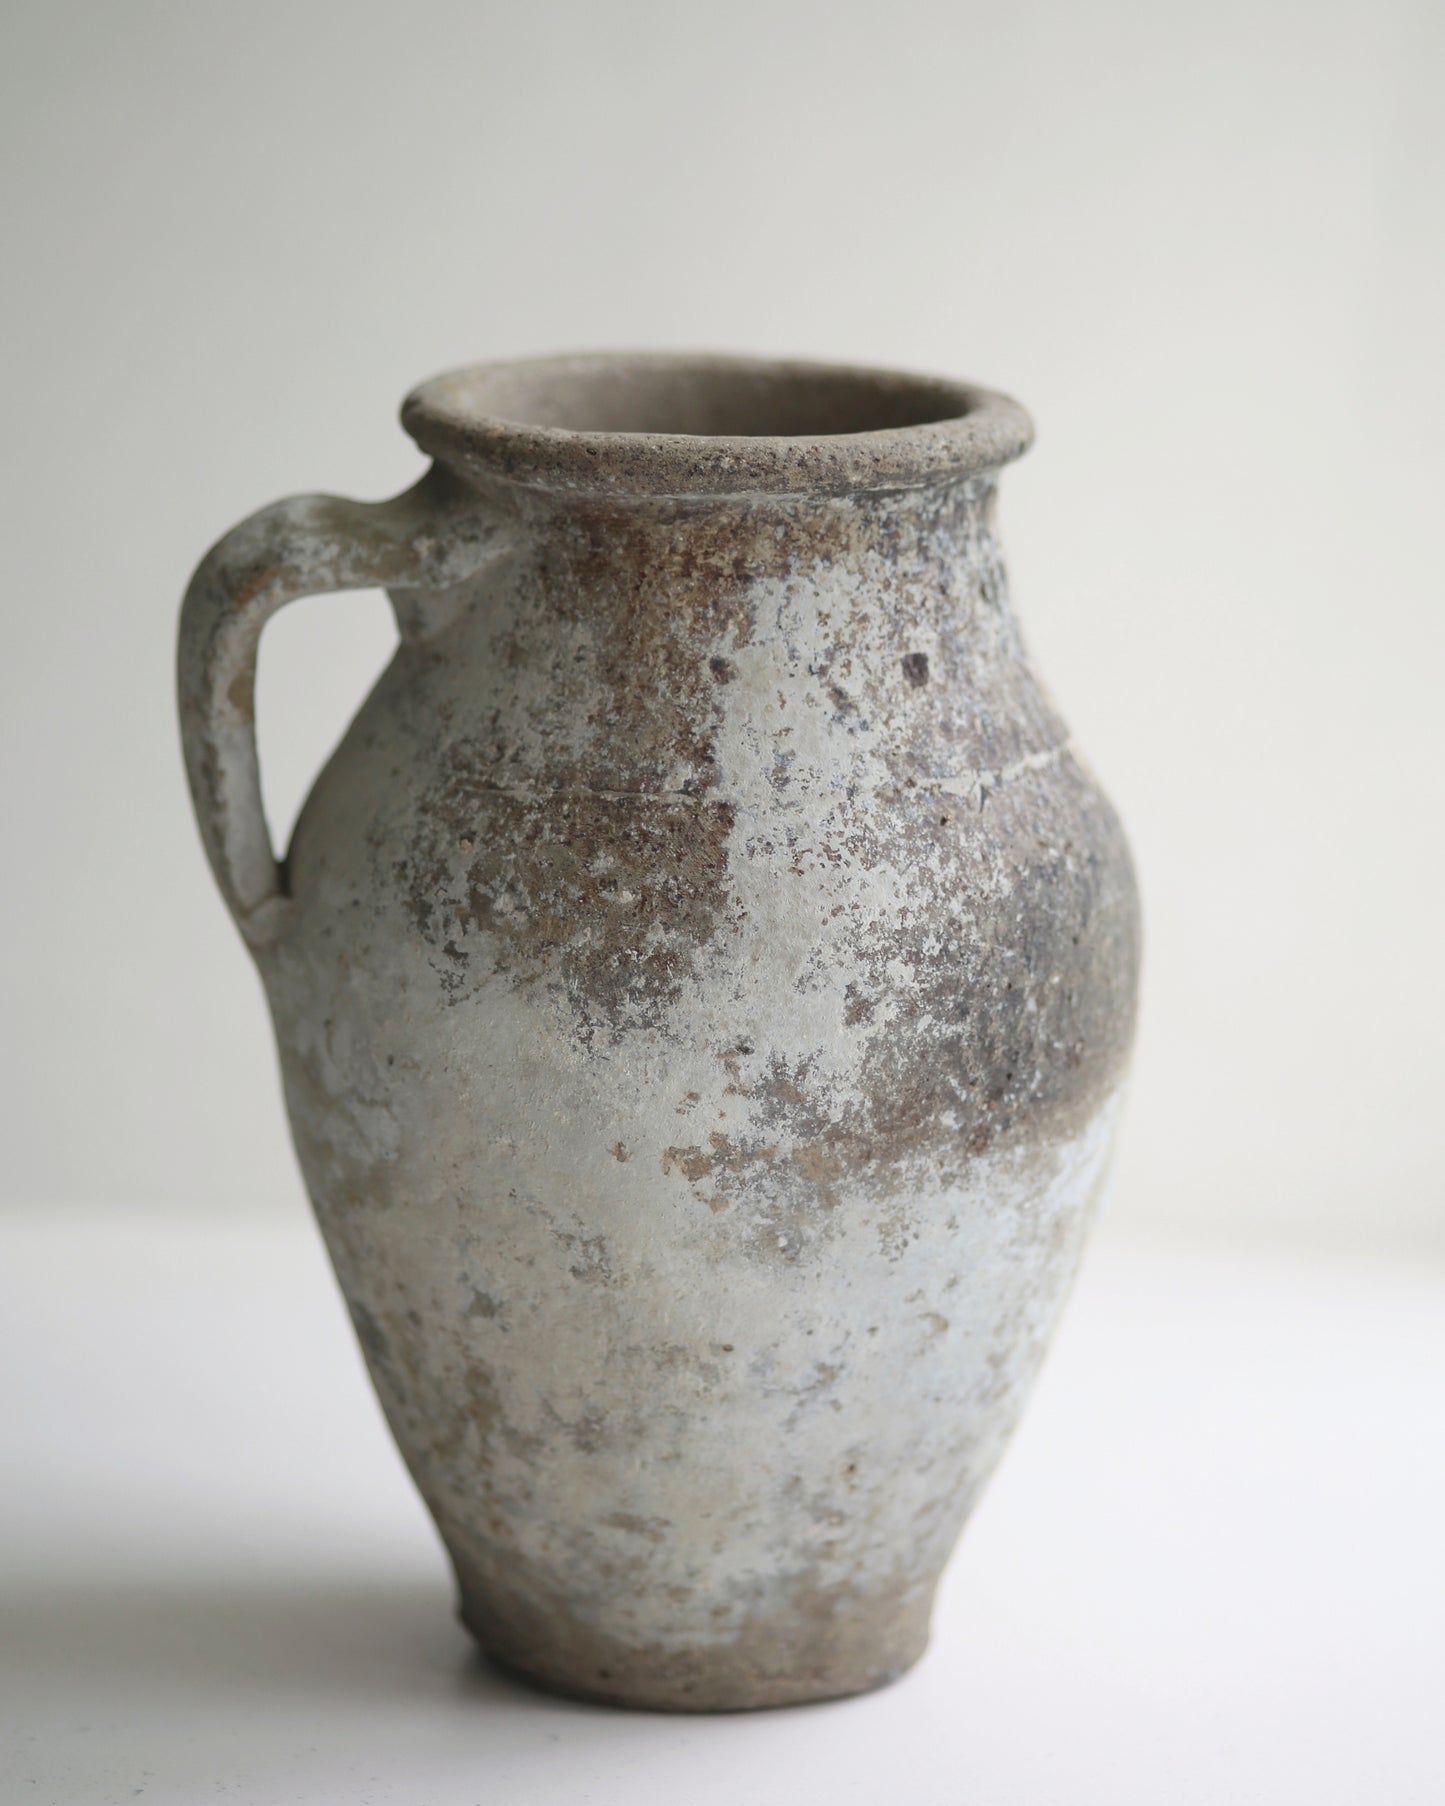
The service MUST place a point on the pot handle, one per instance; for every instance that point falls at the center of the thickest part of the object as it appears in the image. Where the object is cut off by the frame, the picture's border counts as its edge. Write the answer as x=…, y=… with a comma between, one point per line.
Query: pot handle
x=429, y=538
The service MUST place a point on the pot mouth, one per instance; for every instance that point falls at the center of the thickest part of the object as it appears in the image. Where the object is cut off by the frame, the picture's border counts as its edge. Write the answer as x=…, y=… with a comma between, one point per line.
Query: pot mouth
x=677, y=424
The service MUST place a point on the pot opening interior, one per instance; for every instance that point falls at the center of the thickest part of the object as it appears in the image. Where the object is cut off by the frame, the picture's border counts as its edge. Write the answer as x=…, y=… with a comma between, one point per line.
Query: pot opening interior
x=708, y=398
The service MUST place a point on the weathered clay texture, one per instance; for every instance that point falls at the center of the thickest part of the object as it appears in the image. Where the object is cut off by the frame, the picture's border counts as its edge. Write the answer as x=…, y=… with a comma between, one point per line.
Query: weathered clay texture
x=703, y=978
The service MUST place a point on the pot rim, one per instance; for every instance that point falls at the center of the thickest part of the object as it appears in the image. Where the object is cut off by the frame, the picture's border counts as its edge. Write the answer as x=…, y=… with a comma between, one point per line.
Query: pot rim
x=682, y=423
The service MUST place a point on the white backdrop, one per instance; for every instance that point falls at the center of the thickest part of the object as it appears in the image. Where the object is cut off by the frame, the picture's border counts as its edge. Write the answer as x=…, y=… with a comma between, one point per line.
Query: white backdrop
x=1202, y=244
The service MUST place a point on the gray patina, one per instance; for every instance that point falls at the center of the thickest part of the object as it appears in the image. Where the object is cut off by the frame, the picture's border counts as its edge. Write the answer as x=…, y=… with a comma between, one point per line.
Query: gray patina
x=703, y=978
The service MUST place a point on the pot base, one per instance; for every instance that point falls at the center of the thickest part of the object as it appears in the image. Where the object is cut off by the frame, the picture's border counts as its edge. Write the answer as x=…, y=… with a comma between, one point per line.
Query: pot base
x=796, y=1664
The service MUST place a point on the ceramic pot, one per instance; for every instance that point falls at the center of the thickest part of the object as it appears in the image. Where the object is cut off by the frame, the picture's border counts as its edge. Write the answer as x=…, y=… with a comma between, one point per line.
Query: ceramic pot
x=703, y=978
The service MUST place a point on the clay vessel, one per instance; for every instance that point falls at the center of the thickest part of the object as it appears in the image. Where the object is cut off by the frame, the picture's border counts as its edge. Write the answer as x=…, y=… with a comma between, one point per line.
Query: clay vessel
x=703, y=978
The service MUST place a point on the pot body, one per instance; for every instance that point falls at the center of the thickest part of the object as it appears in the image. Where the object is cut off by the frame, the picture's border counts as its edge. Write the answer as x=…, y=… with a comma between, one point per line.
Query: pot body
x=703, y=1006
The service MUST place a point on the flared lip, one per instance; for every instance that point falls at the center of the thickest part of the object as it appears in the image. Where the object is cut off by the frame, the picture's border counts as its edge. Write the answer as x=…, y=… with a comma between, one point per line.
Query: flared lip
x=679, y=424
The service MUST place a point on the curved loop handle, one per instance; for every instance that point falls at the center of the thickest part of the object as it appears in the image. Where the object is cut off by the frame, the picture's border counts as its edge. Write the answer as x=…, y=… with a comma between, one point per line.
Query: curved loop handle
x=433, y=536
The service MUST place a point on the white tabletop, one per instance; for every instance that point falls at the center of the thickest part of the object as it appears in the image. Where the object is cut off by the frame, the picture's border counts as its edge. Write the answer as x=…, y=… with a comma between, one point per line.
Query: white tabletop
x=1210, y=1569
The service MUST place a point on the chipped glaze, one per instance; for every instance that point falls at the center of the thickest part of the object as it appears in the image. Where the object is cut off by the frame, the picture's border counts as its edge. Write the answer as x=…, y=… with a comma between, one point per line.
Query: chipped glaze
x=703, y=979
